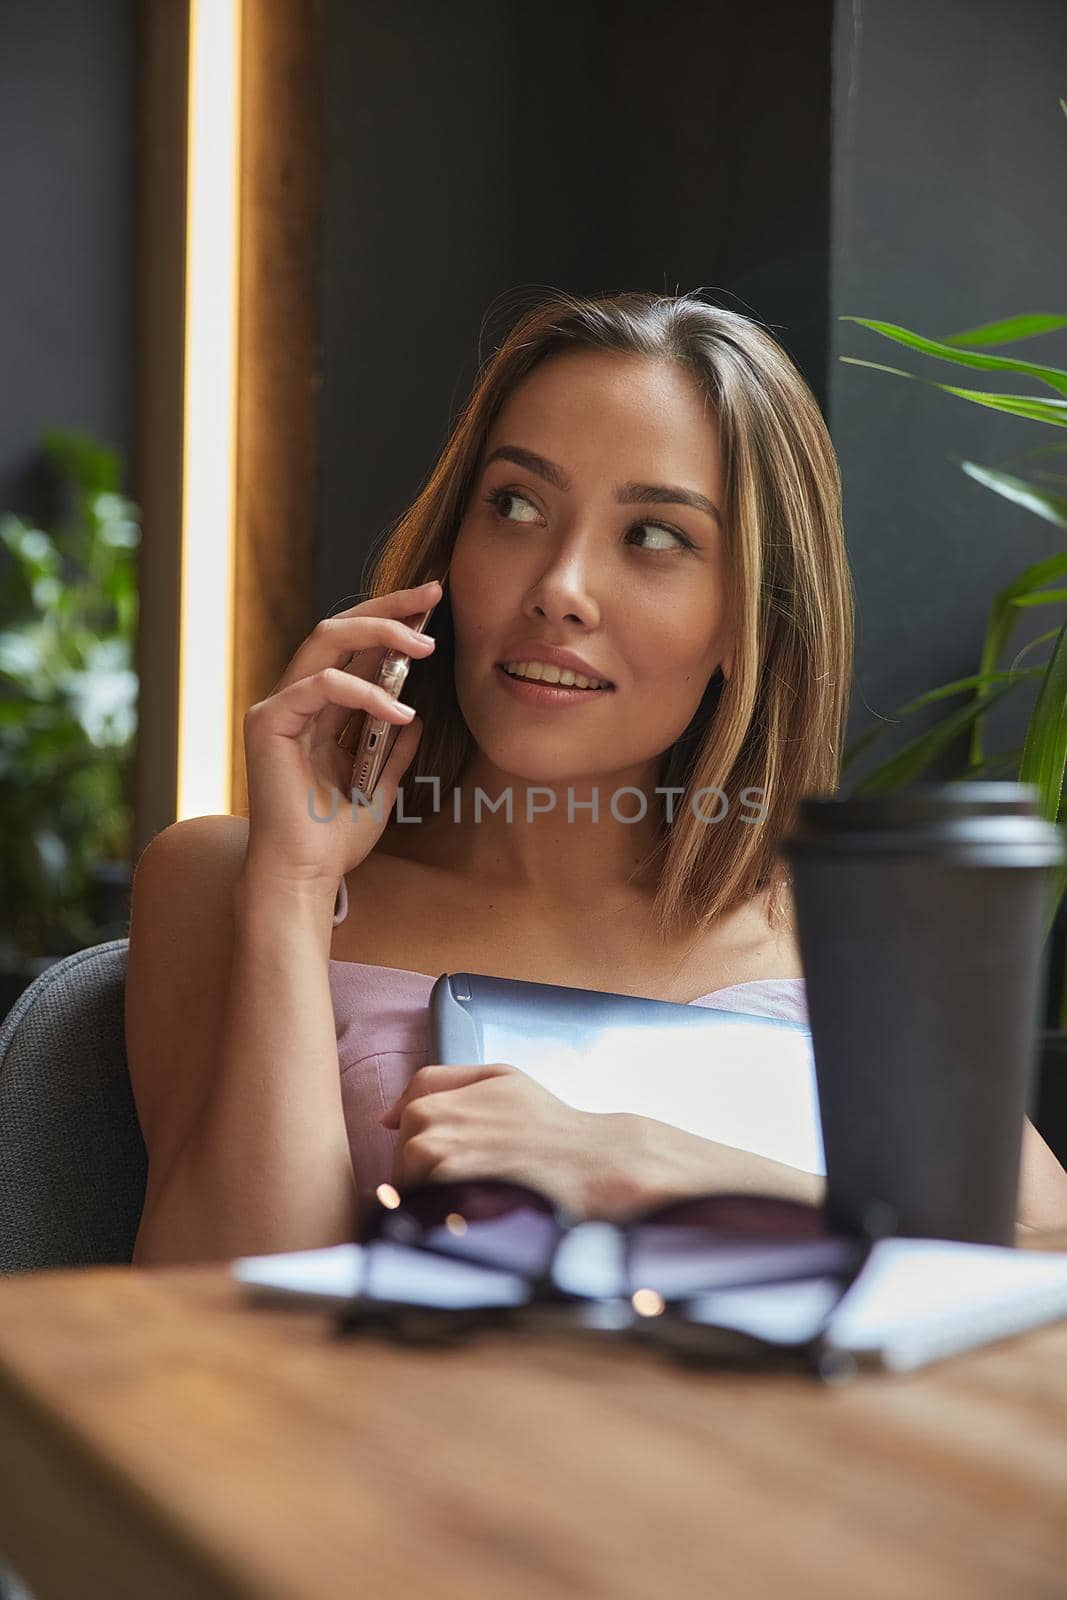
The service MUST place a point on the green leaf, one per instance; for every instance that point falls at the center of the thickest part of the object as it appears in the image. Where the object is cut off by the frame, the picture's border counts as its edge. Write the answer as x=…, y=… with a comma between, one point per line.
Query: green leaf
x=1045, y=754
x=912, y=761
x=1037, y=453
x=1055, y=377
x=1045, y=598
x=931, y=696
x=1033, y=578
x=1045, y=750
x=1009, y=330
x=1052, y=507
x=1004, y=764
x=93, y=468
x=1016, y=405
x=1003, y=615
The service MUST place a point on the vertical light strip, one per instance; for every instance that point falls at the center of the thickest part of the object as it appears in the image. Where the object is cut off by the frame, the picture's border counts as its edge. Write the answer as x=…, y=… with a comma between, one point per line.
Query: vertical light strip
x=205, y=668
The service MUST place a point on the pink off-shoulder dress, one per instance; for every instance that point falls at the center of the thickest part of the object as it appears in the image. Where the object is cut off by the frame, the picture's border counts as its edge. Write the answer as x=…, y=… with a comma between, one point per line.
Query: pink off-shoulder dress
x=382, y=1024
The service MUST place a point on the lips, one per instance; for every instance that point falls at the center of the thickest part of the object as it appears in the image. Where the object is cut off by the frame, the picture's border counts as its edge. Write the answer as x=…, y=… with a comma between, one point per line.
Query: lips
x=551, y=656
x=601, y=687
x=533, y=693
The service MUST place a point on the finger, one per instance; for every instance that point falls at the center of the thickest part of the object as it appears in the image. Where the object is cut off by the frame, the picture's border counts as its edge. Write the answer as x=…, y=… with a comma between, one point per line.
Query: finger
x=398, y=602
x=438, y=1079
x=427, y=1080
x=341, y=641
x=409, y=1170
x=415, y=1161
x=338, y=724
x=410, y=607
x=287, y=711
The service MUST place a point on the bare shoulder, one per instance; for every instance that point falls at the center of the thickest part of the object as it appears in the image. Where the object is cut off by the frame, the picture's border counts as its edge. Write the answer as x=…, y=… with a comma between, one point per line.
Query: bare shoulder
x=762, y=938
x=184, y=880
x=1042, y=1200
x=199, y=842
x=178, y=961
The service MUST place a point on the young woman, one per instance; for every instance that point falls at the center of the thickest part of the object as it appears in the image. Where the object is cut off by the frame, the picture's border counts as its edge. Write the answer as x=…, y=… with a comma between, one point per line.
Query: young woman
x=641, y=490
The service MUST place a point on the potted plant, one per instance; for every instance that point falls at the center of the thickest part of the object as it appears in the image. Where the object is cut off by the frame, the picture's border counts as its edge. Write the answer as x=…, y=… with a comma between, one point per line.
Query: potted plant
x=68, y=694
x=1041, y=758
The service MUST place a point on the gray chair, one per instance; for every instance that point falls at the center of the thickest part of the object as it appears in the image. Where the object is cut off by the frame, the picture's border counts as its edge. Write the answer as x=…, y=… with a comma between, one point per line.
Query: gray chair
x=73, y=1164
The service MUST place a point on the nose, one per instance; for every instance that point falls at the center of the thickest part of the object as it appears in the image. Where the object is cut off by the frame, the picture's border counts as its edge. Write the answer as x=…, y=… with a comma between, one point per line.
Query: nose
x=564, y=593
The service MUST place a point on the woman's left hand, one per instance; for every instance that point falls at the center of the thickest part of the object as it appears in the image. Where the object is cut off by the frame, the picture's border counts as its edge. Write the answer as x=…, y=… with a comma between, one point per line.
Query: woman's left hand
x=491, y=1119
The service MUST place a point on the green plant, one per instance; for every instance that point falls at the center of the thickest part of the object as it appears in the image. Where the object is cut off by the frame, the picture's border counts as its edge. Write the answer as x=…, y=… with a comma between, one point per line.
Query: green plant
x=1042, y=757
x=68, y=693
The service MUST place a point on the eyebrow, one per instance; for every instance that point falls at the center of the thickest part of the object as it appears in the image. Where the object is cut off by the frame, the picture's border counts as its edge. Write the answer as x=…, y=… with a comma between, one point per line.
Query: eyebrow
x=626, y=494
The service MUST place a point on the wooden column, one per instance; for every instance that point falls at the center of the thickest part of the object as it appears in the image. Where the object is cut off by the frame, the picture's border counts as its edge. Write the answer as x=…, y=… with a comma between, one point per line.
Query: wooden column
x=278, y=369
x=162, y=39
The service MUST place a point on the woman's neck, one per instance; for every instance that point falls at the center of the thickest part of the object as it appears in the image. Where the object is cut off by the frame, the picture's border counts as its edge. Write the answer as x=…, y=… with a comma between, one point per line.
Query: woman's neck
x=554, y=843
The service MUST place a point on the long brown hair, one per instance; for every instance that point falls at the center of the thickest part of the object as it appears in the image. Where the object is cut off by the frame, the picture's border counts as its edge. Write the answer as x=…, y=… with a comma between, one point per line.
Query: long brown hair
x=776, y=726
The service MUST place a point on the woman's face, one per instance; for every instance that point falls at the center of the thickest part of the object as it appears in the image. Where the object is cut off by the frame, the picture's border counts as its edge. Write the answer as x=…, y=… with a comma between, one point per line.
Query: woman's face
x=575, y=536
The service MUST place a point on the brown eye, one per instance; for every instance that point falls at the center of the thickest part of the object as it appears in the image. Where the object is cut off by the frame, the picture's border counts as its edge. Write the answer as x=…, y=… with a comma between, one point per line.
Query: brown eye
x=503, y=497
x=662, y=528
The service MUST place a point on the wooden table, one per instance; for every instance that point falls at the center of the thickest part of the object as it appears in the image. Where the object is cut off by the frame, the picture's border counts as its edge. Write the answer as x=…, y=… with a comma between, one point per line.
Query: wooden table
x=162, y=1440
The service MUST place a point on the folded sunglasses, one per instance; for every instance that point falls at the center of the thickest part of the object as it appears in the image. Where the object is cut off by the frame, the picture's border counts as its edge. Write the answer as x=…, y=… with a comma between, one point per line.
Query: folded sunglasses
x=739, y=1278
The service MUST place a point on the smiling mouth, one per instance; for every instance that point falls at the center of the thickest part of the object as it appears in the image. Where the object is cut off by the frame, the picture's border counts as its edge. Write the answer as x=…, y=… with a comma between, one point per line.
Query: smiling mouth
x=590, y=686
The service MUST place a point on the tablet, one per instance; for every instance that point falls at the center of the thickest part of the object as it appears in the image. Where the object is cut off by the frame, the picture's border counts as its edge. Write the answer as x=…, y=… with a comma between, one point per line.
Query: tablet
x=731, y=1076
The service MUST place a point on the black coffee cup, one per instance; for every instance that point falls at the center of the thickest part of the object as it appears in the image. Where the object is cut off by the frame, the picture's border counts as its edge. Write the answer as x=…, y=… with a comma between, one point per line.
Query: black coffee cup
x=921, y=923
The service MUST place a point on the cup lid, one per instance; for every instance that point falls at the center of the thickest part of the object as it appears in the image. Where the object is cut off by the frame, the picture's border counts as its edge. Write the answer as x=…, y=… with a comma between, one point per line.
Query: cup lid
x=938, y=818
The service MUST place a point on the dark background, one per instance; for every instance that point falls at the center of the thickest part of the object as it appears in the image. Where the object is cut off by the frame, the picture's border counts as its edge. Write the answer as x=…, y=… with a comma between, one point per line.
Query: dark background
x=903, y=159
x=949, y=210
x=67, y=180
x=479, y=148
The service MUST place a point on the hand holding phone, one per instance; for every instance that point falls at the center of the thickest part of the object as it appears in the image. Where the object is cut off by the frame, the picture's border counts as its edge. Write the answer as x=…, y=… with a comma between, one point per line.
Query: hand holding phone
x=369, y=738
x=295, y=768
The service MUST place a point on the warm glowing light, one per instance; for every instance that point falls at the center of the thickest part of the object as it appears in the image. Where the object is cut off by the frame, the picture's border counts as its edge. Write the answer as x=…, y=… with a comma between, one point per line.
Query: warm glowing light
x=206, y=605
x=388, y=1196
x=647, y=1302
x=456, y=1224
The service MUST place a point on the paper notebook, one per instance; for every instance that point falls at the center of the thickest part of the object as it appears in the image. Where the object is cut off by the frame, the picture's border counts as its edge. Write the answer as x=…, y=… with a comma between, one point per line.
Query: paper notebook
x=916, y=1300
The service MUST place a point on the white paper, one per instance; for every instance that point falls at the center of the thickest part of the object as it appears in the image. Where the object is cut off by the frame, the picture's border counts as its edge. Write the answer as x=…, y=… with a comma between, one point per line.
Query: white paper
x=916, y=1301
x=334, y=1275
x=919, y=1299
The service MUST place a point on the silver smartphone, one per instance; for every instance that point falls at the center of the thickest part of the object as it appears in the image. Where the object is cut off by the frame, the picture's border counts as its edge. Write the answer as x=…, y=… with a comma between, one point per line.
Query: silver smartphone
x=370, y=743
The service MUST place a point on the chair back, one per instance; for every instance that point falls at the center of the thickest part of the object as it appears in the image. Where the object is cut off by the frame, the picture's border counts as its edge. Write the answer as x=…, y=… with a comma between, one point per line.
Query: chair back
x=73, y=1164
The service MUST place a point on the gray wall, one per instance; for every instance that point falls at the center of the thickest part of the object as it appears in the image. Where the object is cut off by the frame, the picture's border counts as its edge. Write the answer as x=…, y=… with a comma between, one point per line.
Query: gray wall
x=480, y=147
x=949, y=184
x=66, y=213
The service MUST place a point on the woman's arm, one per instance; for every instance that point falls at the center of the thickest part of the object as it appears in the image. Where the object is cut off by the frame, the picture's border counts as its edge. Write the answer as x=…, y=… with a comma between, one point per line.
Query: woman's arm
x=233, y=1056
x=667, y=1163
x=457, y=1122
x=638, y=1163
x=1042, y=1186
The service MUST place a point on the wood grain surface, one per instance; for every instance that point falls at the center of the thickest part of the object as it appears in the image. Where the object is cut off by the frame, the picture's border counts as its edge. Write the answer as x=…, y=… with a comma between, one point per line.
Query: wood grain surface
x=162, y=1438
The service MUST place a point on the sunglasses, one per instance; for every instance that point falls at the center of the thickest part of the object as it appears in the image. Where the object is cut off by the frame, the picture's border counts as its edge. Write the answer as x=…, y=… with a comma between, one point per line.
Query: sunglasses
x=741, y=1278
